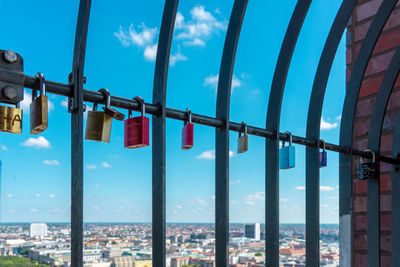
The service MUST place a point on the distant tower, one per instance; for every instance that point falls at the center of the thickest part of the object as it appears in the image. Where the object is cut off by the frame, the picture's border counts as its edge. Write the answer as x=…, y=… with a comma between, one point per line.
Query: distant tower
x=38, y=229
x=252, y=230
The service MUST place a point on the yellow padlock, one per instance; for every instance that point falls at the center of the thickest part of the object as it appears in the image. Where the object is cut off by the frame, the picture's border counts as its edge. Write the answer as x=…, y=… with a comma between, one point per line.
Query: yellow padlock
x=39, y=108
x=11, y=119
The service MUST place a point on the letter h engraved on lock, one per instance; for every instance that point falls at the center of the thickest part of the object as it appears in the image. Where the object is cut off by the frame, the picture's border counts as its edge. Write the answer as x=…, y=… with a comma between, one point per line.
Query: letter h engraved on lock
x=11, y=119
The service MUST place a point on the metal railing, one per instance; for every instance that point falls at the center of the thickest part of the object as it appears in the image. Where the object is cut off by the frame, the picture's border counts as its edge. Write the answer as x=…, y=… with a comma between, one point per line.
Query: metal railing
x=77, y=95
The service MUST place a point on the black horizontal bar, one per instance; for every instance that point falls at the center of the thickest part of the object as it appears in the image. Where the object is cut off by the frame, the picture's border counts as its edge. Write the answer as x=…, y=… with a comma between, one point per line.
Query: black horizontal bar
x=129, y=104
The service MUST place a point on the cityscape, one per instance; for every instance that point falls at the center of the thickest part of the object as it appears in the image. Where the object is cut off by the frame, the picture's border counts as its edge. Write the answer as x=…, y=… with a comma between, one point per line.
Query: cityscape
x=129, y=245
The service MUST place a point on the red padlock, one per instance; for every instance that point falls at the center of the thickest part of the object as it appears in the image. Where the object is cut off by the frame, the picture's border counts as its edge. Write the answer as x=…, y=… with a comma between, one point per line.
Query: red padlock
x=187, y=131
x=137, y=128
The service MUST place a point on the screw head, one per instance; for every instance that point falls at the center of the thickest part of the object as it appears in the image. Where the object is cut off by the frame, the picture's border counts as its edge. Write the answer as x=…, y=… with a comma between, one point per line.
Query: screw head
x=10, y=56
x=9, y=92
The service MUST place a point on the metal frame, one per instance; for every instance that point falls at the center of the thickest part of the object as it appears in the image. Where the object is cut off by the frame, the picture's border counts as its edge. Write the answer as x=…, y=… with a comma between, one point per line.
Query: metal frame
x=346, y=131
x=272, y=124
x=312, y=153
x=222, y=134
x=374, y=144
x=76, y=109
x=74, y=90
x=159, y=144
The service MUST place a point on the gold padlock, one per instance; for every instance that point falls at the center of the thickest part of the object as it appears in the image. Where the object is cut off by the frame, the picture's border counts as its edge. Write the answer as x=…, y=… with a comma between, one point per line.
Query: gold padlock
x=98, y=125
x=243, y=141
x=11, y=119
x=39, y=108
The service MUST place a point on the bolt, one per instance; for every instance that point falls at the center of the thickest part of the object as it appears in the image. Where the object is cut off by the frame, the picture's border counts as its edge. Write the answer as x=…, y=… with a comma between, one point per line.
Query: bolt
x=9, y=92
x=10, y=56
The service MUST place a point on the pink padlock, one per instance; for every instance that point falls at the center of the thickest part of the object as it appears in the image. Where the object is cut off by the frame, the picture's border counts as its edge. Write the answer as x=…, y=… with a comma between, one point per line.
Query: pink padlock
x=187, y=131
x=136, y=130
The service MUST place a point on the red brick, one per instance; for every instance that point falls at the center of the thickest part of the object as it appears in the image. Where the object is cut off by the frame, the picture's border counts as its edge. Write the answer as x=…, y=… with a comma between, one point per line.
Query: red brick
x=348, y=56
x=386, y=222
x=360, y=260
x=393, y=21
x=365, y=107
x=360, y=223
x=385, y=183
x=361, y=31
x=370, y=86
x=394, y=101
x=386, y=202
x=360, y=241
x=378, y=64
x=385, y=167
x=367, y=10
x=360, y=204
x=386, y=243
x=387, y=41
x=361, y=127
x=387, y=142
x=389, y=122
x=360, y=187
x=361, y=143
x=386, y=261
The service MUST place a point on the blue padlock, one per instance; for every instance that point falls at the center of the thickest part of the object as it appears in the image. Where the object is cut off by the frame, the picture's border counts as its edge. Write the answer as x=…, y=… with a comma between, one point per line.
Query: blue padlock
x=287, y=155
x=323, y=156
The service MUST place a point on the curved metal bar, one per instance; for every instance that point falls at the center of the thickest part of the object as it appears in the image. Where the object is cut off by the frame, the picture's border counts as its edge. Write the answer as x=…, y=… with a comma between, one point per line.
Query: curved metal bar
x=374, y=143
x=272, y=145
x=158, y=126
x=346, y=132
x=76, y=109
x=313, y=132
x=222, y=134
x=396, y=197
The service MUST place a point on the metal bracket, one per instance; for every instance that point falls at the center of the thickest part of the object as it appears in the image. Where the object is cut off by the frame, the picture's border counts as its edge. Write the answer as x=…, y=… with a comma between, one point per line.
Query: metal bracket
x=71, y=105
x=12, y=62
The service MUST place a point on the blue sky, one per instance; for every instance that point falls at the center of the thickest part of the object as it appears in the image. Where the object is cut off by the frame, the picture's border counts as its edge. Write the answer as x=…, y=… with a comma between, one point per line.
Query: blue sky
x=120, y=56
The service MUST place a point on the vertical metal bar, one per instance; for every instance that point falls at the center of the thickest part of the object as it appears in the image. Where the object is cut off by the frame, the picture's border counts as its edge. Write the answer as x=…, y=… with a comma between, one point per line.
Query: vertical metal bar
x=158, y=122
x=77, y=135
x=396, y=197
x=222, y=134
x=313, y=132
x=374, y=143
x=272, y=145
x=346, y=131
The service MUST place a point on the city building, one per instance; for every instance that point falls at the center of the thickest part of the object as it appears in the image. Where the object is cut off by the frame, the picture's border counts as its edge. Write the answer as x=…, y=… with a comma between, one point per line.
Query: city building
x=252, y=230
x=38, y=230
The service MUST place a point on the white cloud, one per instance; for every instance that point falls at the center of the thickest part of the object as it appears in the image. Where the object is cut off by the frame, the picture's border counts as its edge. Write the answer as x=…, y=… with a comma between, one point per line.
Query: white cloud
x=179, y=21
x=105, y=165
x=327, y=125
x=9, y=195
x=179, y=207
x=4, y=148
x=200, y=201
x=37, y=195
x=210, y=154
x=39, y=142
x=34, y=210
x=253, y=198
x=91, y=166
x=194, y=42
x=140, y=38
x=51, y=162
x=338, y=117
x=150, y=53
x=213, y=197
x=64, y=103
x=176, y=58
x=235, y=182
x=321, y=188
x=212, y=82
x=52, y=196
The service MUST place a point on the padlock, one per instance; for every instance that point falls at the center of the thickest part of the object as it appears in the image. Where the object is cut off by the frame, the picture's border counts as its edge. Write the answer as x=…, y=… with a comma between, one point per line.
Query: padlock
x=368, y=170
x=137, y=129
x=115, y=114
x=243, y=141
x=39, y=107
x=98, y=125
x=11, y=119
x=323, y=156
x=187, y=131
x=287, y=155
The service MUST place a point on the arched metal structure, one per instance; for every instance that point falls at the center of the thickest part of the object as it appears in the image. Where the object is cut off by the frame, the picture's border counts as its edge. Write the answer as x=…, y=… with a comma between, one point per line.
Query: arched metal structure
x=222, y=134
x=375, y=131
x=76, y=109
x=159, y=146
x=273, y=121
x=313, y=133
x=346, y=131
x=221, y=122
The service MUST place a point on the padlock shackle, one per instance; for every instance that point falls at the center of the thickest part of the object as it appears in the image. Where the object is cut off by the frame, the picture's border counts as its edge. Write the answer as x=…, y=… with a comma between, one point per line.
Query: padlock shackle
x=244, y=129
x=323, y=144
x=188, y=112
x=42, y=85
x=373, y=154
x=107, y=94
x=141, y=103
x=290, y=138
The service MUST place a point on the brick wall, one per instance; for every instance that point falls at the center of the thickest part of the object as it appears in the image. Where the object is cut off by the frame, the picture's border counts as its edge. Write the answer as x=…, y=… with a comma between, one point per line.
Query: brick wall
x=383, y=52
